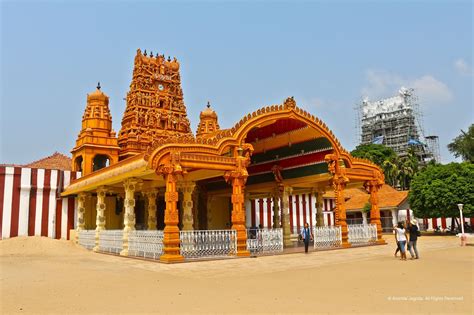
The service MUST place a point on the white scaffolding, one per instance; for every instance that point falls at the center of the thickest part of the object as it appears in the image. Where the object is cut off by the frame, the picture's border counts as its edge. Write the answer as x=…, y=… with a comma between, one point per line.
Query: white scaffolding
x=395, y=122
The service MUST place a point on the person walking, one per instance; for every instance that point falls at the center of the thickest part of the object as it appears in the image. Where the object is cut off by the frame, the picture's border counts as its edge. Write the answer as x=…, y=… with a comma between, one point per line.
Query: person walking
x=414, y=232
x=306, y=236
x=402, y=239
x=396, y=241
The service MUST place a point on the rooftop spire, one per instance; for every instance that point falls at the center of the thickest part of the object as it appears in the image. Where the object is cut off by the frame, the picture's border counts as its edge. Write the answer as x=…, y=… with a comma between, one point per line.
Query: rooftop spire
x=98, y=85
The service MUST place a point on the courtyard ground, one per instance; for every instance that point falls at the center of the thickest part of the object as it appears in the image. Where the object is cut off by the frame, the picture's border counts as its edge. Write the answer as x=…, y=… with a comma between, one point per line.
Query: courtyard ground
x=44, y=276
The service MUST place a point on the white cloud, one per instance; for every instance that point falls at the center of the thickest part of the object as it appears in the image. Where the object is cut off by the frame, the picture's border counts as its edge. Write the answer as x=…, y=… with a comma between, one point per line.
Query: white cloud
x=382, y=84
x=462, y=67
x=431, y=90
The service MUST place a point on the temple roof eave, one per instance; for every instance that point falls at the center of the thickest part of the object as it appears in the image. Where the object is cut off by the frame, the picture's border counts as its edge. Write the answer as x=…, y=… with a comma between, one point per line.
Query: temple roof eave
x=135, y=166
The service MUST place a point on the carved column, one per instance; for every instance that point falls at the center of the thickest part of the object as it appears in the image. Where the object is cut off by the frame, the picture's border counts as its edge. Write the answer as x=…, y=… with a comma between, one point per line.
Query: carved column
x=339, y=185
x=151, y=198
x=210, y=198
x=339, y=180
x=100, y=217
x=285, y=208
x=130, y=185
x=187, y=189
x=171, y=232
x=276, y=208
x=195, y=198
x=238, y=180
x=373, y=187
x=81, y=210
x=319, y=208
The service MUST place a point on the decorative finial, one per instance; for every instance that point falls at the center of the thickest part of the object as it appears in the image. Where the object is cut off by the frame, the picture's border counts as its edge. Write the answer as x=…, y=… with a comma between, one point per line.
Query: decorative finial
x=208, y=104
x=169, y=58
x=144, y=53
x=98, y=85
x=151, y=53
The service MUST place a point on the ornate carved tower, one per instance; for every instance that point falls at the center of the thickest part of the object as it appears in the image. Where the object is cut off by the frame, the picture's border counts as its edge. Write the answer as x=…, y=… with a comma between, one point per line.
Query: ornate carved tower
x=208, y=122
x=155, y=107
x=96, y=144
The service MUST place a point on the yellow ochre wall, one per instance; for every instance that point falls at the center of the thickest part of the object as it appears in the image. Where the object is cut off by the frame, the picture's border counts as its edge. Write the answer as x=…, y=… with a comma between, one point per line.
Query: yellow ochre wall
x=112, y=220
x=220, y=218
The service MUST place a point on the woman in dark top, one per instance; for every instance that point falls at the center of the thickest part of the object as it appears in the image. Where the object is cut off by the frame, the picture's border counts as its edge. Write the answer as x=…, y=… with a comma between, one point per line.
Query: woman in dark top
x=413, y=230
x=306, y=236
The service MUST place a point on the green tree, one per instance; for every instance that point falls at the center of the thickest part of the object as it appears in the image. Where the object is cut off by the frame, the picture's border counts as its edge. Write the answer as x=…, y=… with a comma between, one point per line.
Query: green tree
x=463, y=145
x=377, y=153
x=437, y=189
x=409, y=165
x=391, y=171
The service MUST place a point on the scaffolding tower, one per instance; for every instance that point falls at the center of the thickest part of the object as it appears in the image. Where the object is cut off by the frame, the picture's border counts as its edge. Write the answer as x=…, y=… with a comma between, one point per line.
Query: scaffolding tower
x=395, y=122
x=432, y=142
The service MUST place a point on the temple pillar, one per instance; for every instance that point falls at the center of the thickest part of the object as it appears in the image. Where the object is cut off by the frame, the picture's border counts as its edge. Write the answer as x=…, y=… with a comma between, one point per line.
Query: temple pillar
x=238, y=179
x=195, y=198
x=171, y=240
x=100, y=217
x=276, y=208
x=364, y=218
x=339, y=185
x=319, y=208
x=285, y=208
x=210, y=199
x=247, y=207
x=337, y=168
x=130, y=185
x=81, y=210
x=151, y=198
x=373, y=187
x=187, y=189
x=394, y=217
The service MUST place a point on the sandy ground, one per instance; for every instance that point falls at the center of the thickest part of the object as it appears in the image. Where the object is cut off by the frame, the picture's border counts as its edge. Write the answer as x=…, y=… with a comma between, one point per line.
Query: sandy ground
x=40, y=275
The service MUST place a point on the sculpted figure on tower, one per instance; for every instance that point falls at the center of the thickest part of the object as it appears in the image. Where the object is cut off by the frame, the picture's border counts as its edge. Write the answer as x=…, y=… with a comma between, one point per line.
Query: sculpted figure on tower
x=155, y=108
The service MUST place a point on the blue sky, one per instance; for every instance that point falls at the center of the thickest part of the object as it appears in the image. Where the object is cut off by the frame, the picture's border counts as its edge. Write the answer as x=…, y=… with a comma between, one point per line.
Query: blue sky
x=239, y=55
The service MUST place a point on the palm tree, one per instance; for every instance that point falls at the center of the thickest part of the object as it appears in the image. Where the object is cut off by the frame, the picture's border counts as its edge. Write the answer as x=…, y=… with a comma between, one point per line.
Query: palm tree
x=409, y=165
x=391, y=171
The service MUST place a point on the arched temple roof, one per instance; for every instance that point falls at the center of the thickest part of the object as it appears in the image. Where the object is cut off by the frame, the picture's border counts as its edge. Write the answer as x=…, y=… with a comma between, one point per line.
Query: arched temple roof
x=215, y=148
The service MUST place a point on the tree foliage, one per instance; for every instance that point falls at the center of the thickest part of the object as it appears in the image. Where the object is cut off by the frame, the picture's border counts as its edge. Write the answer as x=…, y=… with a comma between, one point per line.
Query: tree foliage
x=463, y=145
x=437, y=189
x=398, y=171
x=377, y=153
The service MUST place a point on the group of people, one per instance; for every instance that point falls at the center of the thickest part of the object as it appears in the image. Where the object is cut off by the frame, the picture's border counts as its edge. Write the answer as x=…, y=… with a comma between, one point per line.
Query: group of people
x=406, y=237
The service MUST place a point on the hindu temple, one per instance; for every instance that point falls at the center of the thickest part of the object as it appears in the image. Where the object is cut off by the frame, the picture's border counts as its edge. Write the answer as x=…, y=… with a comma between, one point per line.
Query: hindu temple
x=158, y=190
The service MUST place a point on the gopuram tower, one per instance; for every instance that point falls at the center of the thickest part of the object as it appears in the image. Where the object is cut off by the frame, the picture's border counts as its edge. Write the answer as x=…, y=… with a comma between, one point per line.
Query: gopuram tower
x=155, y=107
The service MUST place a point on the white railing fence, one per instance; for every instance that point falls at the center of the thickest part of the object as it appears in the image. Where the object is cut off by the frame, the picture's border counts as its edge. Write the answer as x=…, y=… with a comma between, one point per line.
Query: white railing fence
x=111, y=241
x=362, y=234
x=87, y=238
x=265, y=241
x=208, y=243
x=148, y=244
x=327, y=237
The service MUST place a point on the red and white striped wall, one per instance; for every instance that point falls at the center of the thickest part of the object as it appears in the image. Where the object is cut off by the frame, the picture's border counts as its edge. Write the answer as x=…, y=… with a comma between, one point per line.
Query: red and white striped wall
x=442, y=223
x=302, y=208
x=30, y=202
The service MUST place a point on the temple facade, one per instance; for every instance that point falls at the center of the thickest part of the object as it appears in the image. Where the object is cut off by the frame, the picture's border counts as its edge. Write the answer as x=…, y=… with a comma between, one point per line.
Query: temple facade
x=157, y=175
